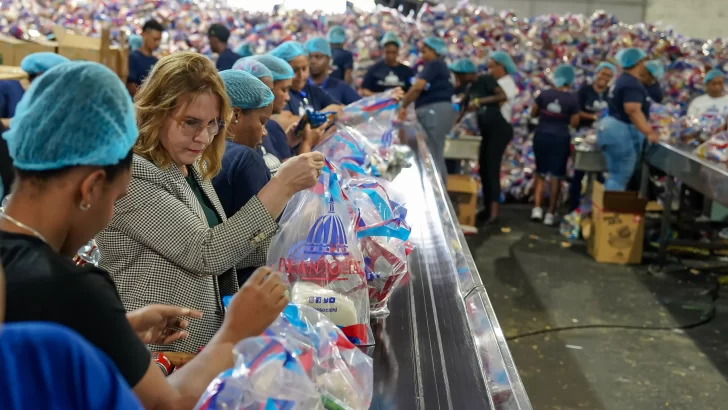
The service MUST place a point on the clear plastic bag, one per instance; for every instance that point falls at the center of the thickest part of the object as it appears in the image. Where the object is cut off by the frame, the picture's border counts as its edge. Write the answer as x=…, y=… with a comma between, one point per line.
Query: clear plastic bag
x=715, y=148
x=316, y=247
x=350, y=151
x=468, y=125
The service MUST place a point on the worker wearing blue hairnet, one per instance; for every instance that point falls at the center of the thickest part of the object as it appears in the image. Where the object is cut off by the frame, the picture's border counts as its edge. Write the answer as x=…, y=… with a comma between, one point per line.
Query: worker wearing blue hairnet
x=714, y=101
x=389, y=72
x=319, y=57
x=256, y=68
x=142, y=59
x=244, y=49
x=556, y=108
x=465, y=73
x=621, y=134
x=342, y=59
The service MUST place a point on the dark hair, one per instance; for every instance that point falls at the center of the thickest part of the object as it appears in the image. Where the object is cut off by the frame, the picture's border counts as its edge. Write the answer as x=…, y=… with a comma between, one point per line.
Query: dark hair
x=219, y=31
x=152, y=25
x=32, y=77
x=112, y=171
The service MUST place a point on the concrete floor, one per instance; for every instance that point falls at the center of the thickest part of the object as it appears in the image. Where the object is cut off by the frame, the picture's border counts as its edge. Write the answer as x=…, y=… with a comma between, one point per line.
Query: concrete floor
x=535, y=282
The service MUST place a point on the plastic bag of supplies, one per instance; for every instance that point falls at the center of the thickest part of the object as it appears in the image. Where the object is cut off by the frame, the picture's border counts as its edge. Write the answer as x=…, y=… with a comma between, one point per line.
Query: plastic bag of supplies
x=349, y=150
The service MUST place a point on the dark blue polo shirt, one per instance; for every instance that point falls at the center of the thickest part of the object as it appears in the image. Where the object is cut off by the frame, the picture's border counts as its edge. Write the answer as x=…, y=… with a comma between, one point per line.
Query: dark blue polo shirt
x=226, y=60
x=380, y=77
x=10, y=94
x=339, y=90
x=341, y=60
x=243, y=175
x=311, y=96
x=627, y=89
x=439, y=88
x=139, y=66
x=276, y=141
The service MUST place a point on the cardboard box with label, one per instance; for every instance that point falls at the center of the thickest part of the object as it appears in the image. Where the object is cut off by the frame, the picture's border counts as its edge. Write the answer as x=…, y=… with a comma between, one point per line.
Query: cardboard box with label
x=617, y=227
x=463, y=191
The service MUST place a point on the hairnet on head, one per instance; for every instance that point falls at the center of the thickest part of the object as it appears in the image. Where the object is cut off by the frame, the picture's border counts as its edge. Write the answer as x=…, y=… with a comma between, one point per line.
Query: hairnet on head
x=630, y=57
x=258, y=69
x=390, y=38
x=318, y=45
x=437, y=45
x=37, y=63
x=135, y=42
x=656, y=69
x=606, y=65
x=278, y=67
x=244, y=49
x=463, y=66
x=502, y=58
x=336, y=35
x=289, y=50
x=219, y=31
x=245, y=91
x=713, y=74
x=77, y=113
x=564, y=75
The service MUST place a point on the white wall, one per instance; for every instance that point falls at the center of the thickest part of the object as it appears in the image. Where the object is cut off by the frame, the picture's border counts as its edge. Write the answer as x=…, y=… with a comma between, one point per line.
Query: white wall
x=629, y=11
x=695, y=18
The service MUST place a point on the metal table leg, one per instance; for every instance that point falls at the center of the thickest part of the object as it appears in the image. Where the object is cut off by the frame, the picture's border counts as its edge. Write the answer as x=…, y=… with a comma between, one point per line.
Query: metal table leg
x=645, y=180
x=665, y=230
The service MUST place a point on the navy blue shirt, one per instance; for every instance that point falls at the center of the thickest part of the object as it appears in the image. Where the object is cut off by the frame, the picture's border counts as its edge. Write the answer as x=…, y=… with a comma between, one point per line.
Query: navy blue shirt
x=380, y=77
x=438, y=88
x=655, y=93
x=226, y=60
x=276, y=141
x=342, y=60
x=592, y=102
x=555, y=109
x=10, y=94
x=243, y=175
x=339, y=90
x=627, y=89
x=47, y=366
x=139, y=66
x=316, y=98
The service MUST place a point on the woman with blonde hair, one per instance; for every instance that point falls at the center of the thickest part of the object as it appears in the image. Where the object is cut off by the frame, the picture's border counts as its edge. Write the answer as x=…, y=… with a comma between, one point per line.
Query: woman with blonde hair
x=169, y=240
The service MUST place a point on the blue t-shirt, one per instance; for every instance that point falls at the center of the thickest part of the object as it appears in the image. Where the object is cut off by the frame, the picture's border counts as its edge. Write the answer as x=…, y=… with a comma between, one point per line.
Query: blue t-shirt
x=242, y=176
x=47, y=366
x=310, y=96
x=139, y=66
x=10, y=94
x=655, y=93
x=226, y=60
x=380, y=77
x=439, y=88
x=276, y=141
x=592, y=102
x=627, y=89
x=339, y=90
x=555, y=109
x=341, y=60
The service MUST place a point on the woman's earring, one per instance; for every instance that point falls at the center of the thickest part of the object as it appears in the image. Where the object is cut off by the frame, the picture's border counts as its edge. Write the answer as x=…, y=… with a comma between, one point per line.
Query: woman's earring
x=84, y=207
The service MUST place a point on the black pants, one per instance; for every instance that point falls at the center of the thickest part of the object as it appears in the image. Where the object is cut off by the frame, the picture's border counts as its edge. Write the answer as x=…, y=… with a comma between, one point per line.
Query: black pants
x=496, y=133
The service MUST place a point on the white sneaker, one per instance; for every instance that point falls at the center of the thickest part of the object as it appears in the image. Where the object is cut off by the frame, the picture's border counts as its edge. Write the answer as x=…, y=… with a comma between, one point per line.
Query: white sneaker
x=536, y=214
x=549, y=219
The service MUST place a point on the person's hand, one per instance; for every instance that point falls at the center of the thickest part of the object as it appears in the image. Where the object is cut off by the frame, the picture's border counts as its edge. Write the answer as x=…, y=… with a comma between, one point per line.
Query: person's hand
x=397, y=93
x=291, y=136
x=161, y=324
x=653, y=137
x=256, y=305
x=312, y=136
x=402, y=115
x=300, y=172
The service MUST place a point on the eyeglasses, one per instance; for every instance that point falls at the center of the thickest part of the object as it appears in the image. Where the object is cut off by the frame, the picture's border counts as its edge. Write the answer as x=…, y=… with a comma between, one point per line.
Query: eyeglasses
x=192, y=127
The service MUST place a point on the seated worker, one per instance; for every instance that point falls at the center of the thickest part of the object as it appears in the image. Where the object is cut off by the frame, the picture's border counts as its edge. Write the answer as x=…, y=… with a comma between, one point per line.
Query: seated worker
x=219, y=35
x=142, y=59
x=651, y=80
x=71, y=145
x=389, y=72
x=343, y=60
x=465, y=74
x=319, y=57
x=11, y=91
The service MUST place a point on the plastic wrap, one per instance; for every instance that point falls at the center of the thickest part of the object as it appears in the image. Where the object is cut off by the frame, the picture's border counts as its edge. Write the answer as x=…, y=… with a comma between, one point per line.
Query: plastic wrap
x=715, y=148
x=352, y=152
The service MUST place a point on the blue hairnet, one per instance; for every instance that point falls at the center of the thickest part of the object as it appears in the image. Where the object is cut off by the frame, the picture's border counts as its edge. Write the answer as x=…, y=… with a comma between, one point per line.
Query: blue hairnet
x=289, y=50
x=135, y=42
x=463, y=66
x=564, y=75
x=390, y=37
x=249, y=65
x=437, y=44
x=336, y=35
x=607, y=65
x=77, y=113
x=244, y=49
x=280, y=69
x=656, y=68
x=630, y=57
x=245, y=91
x=37, y=63
x=713, y=74
x=502, y=58
x=318, y=45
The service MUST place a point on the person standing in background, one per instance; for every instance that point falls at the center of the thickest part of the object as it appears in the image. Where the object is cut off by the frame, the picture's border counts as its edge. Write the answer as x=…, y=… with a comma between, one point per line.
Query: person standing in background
x=142, y=59
x=557, y=109
x=244, y=49
x=343, y=60
x=651, y=79
x=388, y=72
x=219, y=35
x=714, y=101
x=135, y=42
x=319, y=57
x=465, y=74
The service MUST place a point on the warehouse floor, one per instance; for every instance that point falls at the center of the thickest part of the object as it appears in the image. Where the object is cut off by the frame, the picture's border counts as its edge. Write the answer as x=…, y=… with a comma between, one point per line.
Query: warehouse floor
x=536, y=282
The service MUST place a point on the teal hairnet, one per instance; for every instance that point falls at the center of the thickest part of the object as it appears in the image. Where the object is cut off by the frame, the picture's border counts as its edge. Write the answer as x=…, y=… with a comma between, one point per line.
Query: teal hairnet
x=656, y=68
x=318, y=45
x=38, y=63
x=336, y=35
x=390, y=38
x=436, y=44
x=630, y=57
x=249, y=65
x=289, y=50
x=245, y=91
x=564, y=75
x=463, y=66
x=135, y=42
x=244, y=49
x=607, y=65
x=280, y=69
x=712, y=74
x=502, y=58
x=77, y=113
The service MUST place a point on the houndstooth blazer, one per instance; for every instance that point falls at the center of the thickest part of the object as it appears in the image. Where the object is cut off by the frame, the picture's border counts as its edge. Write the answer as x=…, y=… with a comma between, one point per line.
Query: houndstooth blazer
x=159, y=248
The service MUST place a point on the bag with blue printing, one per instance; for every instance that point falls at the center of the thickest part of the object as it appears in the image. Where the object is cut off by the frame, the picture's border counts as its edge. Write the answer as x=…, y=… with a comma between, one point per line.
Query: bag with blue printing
x=302, y=361
x=352, y=153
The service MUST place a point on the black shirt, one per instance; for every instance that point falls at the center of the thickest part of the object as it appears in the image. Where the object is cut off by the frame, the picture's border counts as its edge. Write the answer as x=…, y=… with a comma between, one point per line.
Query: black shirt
x=484, y=86
x=42, y=285
x=7, y=174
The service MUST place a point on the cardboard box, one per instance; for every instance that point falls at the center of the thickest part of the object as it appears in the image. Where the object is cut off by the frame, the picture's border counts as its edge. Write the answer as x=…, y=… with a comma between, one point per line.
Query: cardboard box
x=618, y=226
x=463, y=190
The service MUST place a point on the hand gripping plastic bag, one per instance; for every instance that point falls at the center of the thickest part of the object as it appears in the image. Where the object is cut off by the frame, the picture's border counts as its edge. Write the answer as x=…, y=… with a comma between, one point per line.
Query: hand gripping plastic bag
x=352, y=152
x=302, y=361
x=316, y=247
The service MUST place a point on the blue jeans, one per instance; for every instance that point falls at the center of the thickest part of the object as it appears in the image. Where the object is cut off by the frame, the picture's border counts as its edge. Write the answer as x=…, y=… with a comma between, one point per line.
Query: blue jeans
x=621, y=144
